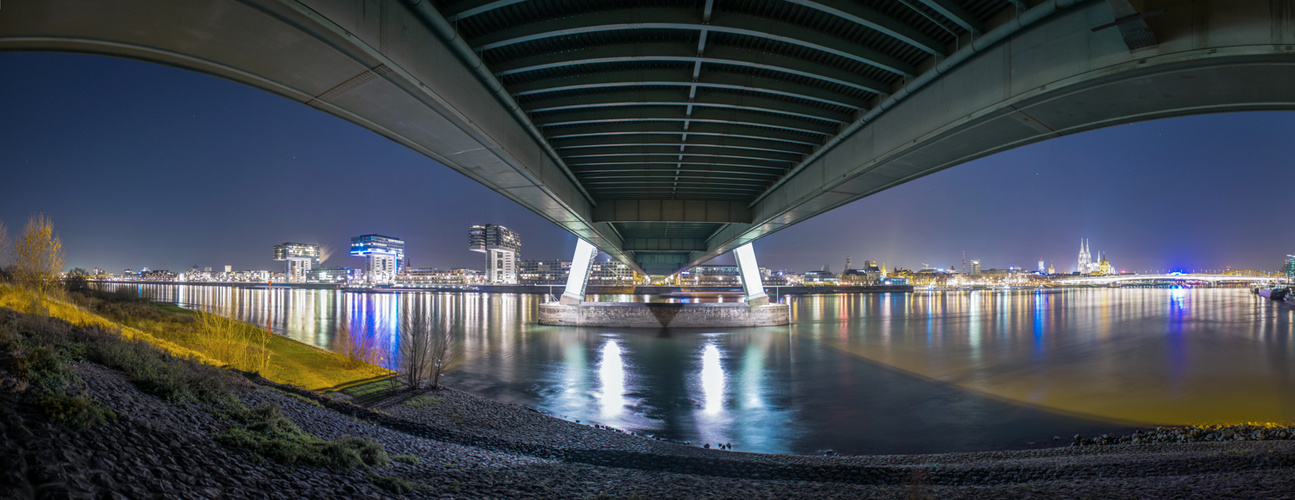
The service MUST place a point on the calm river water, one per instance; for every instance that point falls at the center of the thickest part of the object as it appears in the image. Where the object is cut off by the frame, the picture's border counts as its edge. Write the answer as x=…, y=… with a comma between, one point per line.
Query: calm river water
x=856, y=373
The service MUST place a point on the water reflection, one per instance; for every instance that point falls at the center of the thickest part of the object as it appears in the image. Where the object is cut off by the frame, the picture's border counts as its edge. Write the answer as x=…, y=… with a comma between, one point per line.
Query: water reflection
x=611, y=373
x=875, y=373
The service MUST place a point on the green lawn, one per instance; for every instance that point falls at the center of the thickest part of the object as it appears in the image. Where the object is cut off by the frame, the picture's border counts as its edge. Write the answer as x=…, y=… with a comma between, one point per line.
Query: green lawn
x=175, y=330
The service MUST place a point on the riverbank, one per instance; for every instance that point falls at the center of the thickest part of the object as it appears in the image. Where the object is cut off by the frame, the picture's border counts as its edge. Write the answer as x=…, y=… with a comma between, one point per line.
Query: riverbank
x=184, y=334
x=450, y=444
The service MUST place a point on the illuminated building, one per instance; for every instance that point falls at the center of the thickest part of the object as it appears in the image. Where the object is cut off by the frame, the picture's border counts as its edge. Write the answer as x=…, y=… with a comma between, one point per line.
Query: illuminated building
x=331, y=275
x=612, y=273
x=438, y=277
x=501, y=246
x=1289, y=269
x=1085, y=259
x=869, y=274
x=726, y=276
x=543, y=272
x=975, y=268
x=386, y=256
x=1104, y=266
x=1086, y=263
x=301, y=257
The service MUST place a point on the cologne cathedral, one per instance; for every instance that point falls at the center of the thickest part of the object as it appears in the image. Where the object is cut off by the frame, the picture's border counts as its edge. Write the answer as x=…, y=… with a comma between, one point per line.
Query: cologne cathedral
x=1086, y=264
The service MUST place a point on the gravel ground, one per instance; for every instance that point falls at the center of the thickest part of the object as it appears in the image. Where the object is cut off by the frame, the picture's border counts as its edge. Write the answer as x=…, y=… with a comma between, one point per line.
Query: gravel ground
x=471, y=447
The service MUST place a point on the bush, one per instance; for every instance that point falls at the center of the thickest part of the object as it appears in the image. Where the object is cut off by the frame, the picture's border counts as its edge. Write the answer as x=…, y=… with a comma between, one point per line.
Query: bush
x=360, y=347
x=9, y=337
x=163, y=375
x=268, y=432
x=75, y=283
x=44, y=370
x=397, y=485
x=80, y=412
x=235, y=343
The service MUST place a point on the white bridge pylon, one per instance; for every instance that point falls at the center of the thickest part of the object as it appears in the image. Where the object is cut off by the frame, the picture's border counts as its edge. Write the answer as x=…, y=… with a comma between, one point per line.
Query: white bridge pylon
x=581, y=264
x=750, y=274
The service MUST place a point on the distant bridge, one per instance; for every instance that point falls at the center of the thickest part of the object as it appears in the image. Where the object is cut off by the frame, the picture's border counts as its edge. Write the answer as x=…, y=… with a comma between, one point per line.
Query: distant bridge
x=669, y=133
x=1168, y=278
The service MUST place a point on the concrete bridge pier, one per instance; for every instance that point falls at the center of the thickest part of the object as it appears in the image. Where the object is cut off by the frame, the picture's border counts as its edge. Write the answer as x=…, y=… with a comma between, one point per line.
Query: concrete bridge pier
x=571, y=310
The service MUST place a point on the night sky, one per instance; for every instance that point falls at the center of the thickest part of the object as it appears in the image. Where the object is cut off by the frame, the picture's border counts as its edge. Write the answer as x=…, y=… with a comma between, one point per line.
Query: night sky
x=146, y=165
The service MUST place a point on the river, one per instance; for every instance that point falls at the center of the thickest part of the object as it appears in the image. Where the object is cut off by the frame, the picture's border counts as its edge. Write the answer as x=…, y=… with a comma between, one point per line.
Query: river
x=856, y=373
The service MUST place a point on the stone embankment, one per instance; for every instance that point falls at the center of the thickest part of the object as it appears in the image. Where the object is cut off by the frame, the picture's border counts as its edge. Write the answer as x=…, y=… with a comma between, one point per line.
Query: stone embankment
x=456, y=445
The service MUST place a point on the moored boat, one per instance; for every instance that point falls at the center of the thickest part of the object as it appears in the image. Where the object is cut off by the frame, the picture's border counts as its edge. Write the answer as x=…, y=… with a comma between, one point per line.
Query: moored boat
x=1272, y=293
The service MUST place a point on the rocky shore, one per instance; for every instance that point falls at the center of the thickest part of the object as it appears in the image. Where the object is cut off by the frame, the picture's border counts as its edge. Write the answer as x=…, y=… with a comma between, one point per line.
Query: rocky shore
x=450, y=444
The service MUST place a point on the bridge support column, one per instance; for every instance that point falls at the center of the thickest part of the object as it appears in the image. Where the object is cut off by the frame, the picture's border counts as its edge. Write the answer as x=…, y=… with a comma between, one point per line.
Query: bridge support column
x=581, y=264
x=750, y=275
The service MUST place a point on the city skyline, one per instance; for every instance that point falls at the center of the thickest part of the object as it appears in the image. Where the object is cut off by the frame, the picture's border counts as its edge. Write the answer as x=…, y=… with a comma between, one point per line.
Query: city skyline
x=144, y=165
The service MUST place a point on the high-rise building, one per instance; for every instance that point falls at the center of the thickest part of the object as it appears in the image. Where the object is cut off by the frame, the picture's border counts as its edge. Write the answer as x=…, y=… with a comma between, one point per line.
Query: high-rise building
x=502, y=247
x=975, y=268
x=301, y=258
x=386, y=256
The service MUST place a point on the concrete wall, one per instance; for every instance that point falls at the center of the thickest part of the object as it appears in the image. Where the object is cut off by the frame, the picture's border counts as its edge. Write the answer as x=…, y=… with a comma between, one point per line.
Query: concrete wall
x=663, y=315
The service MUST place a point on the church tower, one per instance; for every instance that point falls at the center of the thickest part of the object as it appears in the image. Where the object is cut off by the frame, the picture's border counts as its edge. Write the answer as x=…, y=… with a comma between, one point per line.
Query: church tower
x=1085, y=259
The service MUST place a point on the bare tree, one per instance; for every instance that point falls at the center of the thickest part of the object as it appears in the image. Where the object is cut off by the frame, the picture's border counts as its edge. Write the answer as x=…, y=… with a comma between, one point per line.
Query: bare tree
x=424, y=349
x=38, y=255
x=360, y=346
x=415, y=347
x=441, y=353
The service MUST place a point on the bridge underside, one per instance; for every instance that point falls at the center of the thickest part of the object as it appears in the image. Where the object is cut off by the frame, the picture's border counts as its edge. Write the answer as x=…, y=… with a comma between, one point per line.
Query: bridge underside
x=670, y=134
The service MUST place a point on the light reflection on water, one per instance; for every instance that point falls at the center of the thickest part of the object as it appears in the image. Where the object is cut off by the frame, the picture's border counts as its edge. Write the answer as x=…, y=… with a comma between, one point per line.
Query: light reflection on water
x=859, y=373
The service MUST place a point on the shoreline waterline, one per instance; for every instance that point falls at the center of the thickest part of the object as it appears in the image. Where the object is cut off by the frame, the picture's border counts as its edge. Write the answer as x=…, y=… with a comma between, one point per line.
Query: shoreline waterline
x=860, y=374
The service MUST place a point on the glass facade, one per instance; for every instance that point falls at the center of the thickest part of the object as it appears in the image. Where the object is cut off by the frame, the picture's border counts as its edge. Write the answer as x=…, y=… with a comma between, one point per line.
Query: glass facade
x=386, y=256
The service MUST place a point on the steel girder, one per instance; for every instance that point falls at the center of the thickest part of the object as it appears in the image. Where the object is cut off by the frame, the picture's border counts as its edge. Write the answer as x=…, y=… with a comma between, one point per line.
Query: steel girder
x=736, y=117
x=647, y=78
x=679, y=98
x=676, y=19
x=687, y=53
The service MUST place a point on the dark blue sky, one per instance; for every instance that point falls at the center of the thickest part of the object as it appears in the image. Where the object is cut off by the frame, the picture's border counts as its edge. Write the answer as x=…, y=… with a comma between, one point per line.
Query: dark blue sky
x=146, y=165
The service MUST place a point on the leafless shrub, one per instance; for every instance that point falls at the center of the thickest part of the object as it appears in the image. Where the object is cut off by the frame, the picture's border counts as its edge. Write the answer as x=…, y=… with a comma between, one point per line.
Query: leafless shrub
x=360, y=347
x=424, y=349
x=238, y=344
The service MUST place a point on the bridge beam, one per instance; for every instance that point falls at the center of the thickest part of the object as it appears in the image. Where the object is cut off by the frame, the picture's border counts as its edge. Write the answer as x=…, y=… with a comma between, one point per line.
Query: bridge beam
x=663, y=244
x=672, y=211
